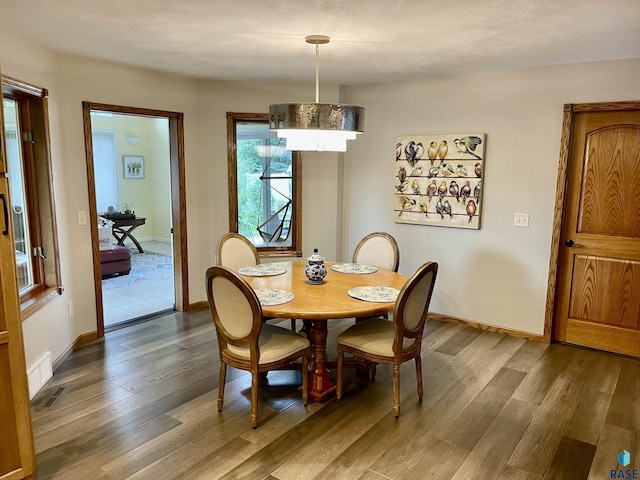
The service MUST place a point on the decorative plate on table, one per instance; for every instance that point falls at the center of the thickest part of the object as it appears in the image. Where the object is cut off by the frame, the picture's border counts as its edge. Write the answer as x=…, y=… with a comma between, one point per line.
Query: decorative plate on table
x=262, y=270
x=272, y=296
x=353, y=268
x=374, y=294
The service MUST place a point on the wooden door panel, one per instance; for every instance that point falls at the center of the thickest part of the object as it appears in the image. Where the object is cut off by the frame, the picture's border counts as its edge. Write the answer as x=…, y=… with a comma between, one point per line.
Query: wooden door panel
x=610, y=196
x=603, y=337
x=9, y=453
x=597, y=301
x=604, y=290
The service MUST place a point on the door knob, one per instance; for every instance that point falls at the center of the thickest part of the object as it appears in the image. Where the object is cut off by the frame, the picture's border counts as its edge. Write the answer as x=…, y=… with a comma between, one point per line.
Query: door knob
x=570, y=243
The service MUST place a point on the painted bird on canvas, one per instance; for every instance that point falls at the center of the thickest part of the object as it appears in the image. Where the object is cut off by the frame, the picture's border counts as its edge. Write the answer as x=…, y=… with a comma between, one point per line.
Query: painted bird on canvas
x=434, y=171
x=415, y=186
x=416, y=172
x=465, y=191
x=413, y=152
x=403, y=186
x=423, y=209
x=443, y=149
x=432, y=152
x=440, y=209
x=402, y=174
x=461, y=171
x=477, y=169
x=407, y=203
x=471, y=209
x=447, y=169
x=477, y=191
x=442, y=190
x=432, y=189
x=454, y=190
x=447, y=208
x=398, y=151
x=468, y=145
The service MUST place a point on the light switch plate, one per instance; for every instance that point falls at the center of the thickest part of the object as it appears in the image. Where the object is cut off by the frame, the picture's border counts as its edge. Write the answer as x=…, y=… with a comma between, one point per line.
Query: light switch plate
x=82, y=218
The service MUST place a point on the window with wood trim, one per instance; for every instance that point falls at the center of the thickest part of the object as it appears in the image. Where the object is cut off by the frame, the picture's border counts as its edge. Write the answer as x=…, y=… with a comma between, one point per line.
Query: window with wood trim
x=264, y=186
x=31, y=190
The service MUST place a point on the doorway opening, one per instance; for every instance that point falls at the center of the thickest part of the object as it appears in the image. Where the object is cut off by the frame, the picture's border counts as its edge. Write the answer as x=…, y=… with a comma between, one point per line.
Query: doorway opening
x=136, y=178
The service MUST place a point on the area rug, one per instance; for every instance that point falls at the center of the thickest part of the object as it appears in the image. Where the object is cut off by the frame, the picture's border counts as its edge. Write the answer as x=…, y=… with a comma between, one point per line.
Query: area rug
x=145, y=267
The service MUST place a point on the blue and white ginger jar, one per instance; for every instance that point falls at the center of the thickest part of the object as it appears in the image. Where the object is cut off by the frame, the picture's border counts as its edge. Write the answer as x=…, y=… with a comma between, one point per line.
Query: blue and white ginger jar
x=315, y=270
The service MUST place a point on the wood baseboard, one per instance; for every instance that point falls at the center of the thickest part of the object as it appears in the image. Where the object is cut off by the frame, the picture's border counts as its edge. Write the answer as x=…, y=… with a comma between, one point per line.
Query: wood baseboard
x=489, y=328
x=79, y=342
x=198, y=306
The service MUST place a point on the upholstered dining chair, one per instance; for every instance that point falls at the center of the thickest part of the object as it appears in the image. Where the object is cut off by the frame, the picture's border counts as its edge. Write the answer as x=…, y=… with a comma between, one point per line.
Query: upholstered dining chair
x=379, y=249
x=245, y=342
x=235, y=251
x=381, y=341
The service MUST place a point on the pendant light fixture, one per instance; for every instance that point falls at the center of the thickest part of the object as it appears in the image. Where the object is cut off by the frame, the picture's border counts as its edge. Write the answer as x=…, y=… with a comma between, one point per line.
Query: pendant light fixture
x=322, y=127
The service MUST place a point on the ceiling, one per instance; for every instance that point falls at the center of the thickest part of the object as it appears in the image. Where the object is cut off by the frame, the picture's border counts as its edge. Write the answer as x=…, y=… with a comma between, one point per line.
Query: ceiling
x=371, y=40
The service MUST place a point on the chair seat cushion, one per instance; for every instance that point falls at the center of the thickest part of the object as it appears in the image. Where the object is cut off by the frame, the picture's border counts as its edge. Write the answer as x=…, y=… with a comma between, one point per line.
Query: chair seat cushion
x=372, y=336
x=276, y=343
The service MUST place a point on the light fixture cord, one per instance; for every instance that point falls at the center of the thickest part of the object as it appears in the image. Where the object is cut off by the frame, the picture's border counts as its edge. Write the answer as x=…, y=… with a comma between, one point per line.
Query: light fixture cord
x=317, y=73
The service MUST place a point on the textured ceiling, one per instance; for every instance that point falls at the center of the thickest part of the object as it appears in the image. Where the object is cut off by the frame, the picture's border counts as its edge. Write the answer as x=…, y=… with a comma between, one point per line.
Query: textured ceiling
x=371, y=40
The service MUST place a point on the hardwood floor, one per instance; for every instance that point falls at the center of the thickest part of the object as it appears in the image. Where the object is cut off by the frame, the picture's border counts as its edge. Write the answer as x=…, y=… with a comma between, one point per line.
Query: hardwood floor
x=141, y=403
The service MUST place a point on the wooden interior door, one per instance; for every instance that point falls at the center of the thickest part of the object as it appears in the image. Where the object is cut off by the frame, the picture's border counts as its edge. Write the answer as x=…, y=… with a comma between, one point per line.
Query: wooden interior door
x=598, y=292
x=17, y=458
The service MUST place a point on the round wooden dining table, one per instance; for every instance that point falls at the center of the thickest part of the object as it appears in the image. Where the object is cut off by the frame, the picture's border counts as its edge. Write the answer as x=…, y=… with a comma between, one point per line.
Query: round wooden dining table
x=321, y=303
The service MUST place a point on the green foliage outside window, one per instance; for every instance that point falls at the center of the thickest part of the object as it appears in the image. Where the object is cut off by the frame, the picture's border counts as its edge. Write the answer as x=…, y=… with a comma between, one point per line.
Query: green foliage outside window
x=249, y=167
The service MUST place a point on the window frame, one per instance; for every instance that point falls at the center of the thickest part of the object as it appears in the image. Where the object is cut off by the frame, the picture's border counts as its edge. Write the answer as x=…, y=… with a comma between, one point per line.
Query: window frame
x=29, y=184
x=296, y=188
x=34, y=118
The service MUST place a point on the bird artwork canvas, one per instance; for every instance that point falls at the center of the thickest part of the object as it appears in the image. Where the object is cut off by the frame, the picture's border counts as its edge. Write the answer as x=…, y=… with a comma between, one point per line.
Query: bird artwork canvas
x=439, y=179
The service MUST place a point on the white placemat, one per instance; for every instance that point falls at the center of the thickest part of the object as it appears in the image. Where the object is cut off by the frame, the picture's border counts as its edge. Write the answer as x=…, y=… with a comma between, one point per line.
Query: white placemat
x=272, y=296
x=374, y=294
x=262, y=270
x=353, y=268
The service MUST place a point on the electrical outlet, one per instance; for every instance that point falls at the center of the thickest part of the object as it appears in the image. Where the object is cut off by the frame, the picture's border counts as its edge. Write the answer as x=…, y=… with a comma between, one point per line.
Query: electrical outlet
x=82, y=218
x=521, y=220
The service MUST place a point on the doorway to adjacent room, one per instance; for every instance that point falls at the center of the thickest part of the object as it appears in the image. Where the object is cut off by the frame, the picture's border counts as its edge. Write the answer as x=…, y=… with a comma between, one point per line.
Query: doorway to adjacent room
x=135, y=174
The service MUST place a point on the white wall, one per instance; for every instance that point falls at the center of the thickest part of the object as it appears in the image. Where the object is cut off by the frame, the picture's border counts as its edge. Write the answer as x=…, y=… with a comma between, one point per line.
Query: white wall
x=71, y=80
x=496, y=275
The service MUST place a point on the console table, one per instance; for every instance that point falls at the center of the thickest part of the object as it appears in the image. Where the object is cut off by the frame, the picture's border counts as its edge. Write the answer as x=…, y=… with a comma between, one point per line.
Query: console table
x=123, y=228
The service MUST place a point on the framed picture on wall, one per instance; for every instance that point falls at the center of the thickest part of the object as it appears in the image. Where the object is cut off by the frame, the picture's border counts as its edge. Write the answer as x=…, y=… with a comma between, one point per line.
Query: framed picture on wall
x=438, y=179
x=133, y=166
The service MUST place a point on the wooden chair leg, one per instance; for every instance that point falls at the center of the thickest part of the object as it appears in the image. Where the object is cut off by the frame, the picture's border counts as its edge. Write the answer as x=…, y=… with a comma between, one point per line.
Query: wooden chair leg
x=255, y=380
x=339, y=381
x=396, y=389
x=305, y=379
x=419, y=376
x=293, y=324
x=306, y=327
x=221, y=380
